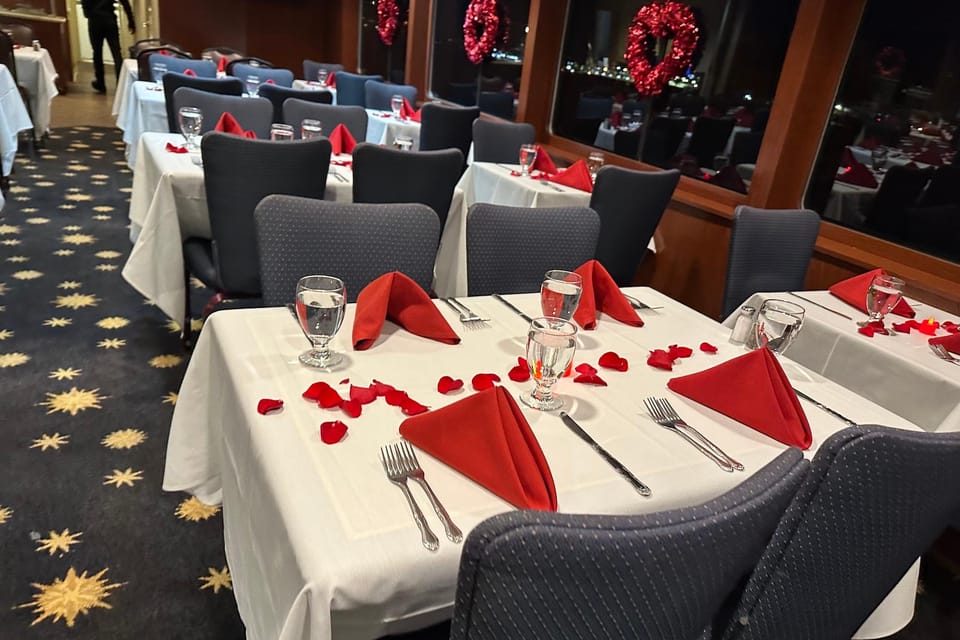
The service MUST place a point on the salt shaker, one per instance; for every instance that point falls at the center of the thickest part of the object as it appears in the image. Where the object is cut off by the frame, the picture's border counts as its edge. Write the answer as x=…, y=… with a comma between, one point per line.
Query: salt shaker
x=743, y=325
x=36, y=45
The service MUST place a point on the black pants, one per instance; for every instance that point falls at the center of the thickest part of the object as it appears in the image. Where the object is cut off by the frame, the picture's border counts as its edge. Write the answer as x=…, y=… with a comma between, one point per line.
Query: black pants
x=101, y=30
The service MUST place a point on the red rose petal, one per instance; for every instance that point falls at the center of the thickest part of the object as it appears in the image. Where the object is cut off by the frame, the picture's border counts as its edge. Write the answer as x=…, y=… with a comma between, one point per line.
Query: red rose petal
x=411, y=407
x=395, y=397
x=352, y=408
x=446, y=384
x=612, y=360
x=903, y=327
x=332, y=432
x=586, y=369
x=345, y=381
x=380, y=388
x=363, y=395
x=315, y=390
x=706, y=347
x=483, y=381
x=660, y=359
x=680, y=352
x=590, y=378
x=329, y=398
x=867, y=331
x=266, y=405
x=520, y=373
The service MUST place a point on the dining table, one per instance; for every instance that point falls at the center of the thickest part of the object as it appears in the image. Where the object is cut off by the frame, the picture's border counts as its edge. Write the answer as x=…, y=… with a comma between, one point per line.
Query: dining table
x=13, y=119
x=36, y=73
x=321, y=545
x=129, y=73
x=146, y=111
x=384, y=128
x=313, y=85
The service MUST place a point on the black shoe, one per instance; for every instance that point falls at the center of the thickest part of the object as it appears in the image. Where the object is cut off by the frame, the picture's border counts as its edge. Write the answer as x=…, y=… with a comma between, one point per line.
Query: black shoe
x=99, y=87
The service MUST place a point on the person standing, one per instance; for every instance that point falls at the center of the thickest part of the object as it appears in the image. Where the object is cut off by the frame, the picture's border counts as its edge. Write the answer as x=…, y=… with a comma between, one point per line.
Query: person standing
x=102, y=25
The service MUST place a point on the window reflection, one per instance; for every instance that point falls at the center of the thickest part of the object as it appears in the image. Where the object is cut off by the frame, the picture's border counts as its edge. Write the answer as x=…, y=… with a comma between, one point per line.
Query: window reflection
x=376, y=57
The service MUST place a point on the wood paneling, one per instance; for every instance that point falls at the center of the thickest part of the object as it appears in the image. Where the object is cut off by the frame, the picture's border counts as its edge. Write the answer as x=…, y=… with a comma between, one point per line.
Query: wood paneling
x=198, y=25
x=419, y=39
x=541, y=59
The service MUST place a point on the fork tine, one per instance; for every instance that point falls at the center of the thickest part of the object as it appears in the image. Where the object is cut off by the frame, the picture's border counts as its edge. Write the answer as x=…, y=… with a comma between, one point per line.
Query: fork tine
x=403, y=457
x=652, y=408
x=409, y=452
x=670, y=411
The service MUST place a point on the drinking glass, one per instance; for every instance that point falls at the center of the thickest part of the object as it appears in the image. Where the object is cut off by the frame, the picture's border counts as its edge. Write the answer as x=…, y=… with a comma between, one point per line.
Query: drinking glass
x=878, y=158
x=528, y=155
x=158, y=69
x=253, y=85
x=778, y=323
x=321, y=301
x=551, y=343
x=404, y=143
x=594, y=162
x=191, y=120
x=560, y=294
x=883, y=294
x=396, y=105
x=310, y=128
x=282, y=132
x=322, y=76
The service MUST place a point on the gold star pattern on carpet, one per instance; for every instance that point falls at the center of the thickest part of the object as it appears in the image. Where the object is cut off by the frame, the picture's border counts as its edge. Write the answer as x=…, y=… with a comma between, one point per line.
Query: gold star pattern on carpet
x=165, y=361
x=64, y=374
x=10, y=242
x=14, y=359
x=108, y=255
x=195, y=283
x=113, y=322
x=3, y=288
x=28, y=274
x=19, y=189
x=73, y=401
x=112, y=343
x=217, y=580
x=17, y=259
x=196, y=324
x=76, y=301
x=5, y=334
x=67, y=207
x=72, y=227
x=45, y=183
x=37, y=220
x=45, y=441
x=5, y=513
x=106, y=267
x=193, y=510
x=78, y=197
x=57, y=322
x=7, y=229
x=100, y=176
x=66, y=598
x=119, y=478
x=123, y=439
x=100, y=216
x=63, y=252
x=69, y=284
x=171, y=398
x=78, y=238
x=103, y=208
x=59, y=542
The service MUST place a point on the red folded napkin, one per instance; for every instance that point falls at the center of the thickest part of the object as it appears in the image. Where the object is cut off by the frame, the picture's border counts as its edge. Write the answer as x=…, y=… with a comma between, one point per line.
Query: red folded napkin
x=754, y=390
x=396, y=297
x=543, y=162
x=332, y=80
x=743, y=118
x=222, y=65
x=846, y=157
x=576, y=175
x=228, y=124
x=601, y=293
x=341, y=140
x=858, y=174
x=175, y=149
x=407, y=112
x=486, y=438
x=853, y=291
x=728, y=178
x=950, y=342
x=929, y=156
x=190, y=72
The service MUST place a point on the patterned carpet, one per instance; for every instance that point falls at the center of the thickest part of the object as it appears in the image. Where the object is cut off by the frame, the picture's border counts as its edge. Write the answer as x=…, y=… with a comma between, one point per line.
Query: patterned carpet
x=90, y=545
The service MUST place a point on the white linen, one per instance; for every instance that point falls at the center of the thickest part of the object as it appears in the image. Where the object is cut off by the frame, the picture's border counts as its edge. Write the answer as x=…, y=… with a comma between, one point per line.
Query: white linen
x=848, y=203
x=146, y=111
x=383, y=128
x=36, y=73
x=305, y=85
x=321, y=545
x=13, y=118
x=128, y=75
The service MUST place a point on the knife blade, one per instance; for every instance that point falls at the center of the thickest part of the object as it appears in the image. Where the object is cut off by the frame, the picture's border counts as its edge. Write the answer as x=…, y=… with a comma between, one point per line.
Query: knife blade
x=641, y=488
x=817, y=304
x=512, y=307
x=823, y=407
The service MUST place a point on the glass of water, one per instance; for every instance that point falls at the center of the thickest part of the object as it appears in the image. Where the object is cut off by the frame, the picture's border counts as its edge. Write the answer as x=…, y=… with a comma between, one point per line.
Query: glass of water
x=396, y=105
x=158, y=69
x=253, y=85
x=322, y=76
x=883, y=294
x=403, y=143
x=310, y=128
x=560, y=294
x=594, y=162
x=778, y=323
x=551, y=344
x=191, y=121
x=878, y=158
x=528, y=155
x=280, y=131
x=321, y=301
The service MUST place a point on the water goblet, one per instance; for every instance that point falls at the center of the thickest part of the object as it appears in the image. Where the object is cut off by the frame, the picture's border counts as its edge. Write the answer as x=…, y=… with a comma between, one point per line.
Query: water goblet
x=594, y=162
x=528, y=155
x=883, y=294
x=281, y=132
x=321, y=301
x=560, y=293
x=878, y=158
x=396, y=105
x=551, y=344
x=403, y=143
x=253, y=85
x=158, y=69
x=323, y=76
x=310, y=128
x=778, y=323
x=191, y=120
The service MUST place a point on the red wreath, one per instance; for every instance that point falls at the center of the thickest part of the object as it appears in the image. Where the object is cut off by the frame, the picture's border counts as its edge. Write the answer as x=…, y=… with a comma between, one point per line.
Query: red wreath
x=480, y=29
x=660, y=20
x=890, y=62
x=387, y=15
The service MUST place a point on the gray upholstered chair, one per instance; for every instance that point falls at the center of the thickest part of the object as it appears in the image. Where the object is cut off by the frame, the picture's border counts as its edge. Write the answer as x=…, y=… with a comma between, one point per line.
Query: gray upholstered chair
x=353, y=118
x=310, y=68
x=770, y=250
x=356, y=242
x=630, y=205
x=173, y=81
x=443, y=127
x=277, y=95
x=500, y=141
x=875, y=499
x=351, y=89
x=378, y=94
x=282, y=77
x=510, y=248
x=253, y=114
x=381, y=174
x=661, y=576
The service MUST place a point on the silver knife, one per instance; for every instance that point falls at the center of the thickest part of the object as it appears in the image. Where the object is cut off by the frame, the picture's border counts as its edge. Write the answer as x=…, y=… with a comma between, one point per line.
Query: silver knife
x=512, y=307
x=824, y=407
x=817, y=304
x=641, y=488
x=638, y=304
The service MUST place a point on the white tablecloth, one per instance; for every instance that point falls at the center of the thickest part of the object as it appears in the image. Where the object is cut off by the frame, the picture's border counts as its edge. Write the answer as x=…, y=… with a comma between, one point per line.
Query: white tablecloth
x=36, y=73
x=383, y=128
x=899, y=373
x=128, y=75
x=13, y=118
x=321, y=545
x=849, y=203
x=145, y=111
x=304, y=85
x=168, y=204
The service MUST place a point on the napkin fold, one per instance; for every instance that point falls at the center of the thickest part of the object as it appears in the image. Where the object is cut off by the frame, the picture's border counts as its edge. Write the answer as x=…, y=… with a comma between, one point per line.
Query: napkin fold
x=853, y=291
x=228, y=124
x=172, y=148
x=601, y=293
x=543, y=162
x=929, y=155
x=341, y=141
x=407, y=112
x=858, y=174
x=754, y=390
x=949, y=342
x=576, y=175
x=222, y=65
x=332, y=80
x=486, y=438
x=846, y=157
x=396, y=297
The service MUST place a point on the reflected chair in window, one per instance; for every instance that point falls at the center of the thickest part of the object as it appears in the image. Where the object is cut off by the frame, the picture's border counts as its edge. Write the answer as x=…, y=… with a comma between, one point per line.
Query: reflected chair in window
x=510, y=248
x=311, y=67
x=590, y=114
x=760, y=119
x=20, y=32
x=377, y=95
x=935, y=230
x=498, y=141
x=251, y=61
x=838, y=136
x=885, y=133
x=353, y=118
x=253, y=114
x=239, y=173
x=144, y=72
x=443, y=127
x=626, y=142
x=691, y=105
x=356, y=242
x=497, y=103
x=535, y=574
x=201, y=68
x=944, y=188
x=746, y=147
x=663, y=139
x=278, y=77
x=277, y=95
x=383, y=175
x=462, y=93
x=709, y=139
x=173, y=81
x=351, y=88
x=874, y=500
x=770, y=250
x=898, y=191
x=216, y=54
x=630, y=204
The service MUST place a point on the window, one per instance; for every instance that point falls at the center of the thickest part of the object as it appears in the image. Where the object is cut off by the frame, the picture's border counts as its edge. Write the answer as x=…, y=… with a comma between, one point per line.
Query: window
x=455, y=78
x=709, y=120
x=886, y=162
x=376, y=57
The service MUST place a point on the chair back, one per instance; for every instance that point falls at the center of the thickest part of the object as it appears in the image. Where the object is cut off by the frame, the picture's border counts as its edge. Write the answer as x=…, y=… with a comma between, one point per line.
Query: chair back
x=202, y=68
x=20, y=32
x=746, y=147
x=663, y=138
x=310, y=68
x=874, y=500
x=356, y=242
x=630, y=204
x=710, y=136
x=173, y=81
x=253, y=114
x=626, y=142
x=277, y=95
x=899, y=190
x=839, y=134
x=530, y=240
x=498, y=104
x=660, y=576
x=353, y=118
x=144, y=69
x=382, y=175
x=238, y=173
x=377, y=94
x=944, y=189
x=252, y=61
x=279, y=77
x=221, y=53
x=443, y=127
x=770, y=250
x=351, y=88
x=150, y=43
x=500, y=141
x=690, y=104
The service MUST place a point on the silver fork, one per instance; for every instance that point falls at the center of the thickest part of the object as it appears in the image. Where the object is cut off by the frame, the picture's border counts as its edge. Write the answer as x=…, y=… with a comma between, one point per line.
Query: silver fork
x=943, y=354
x=410, y=464
x=467, y=317
x=396, y=475
x=672, y=414
x=659, y=416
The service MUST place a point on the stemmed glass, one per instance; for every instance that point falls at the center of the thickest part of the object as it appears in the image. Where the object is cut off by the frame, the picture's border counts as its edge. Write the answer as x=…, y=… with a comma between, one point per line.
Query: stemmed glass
x=551, y=344
x=883, y=294
x=158, y=70
x=778, y=323
x=560, y=294
x=280, y=131
x=594, y=162
x=253, y=85
x=878, y=158
x=528, y=155
x=396, y=105
x=310, y=128
x=191, y=121
x=322, y=76
x=321, y=301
